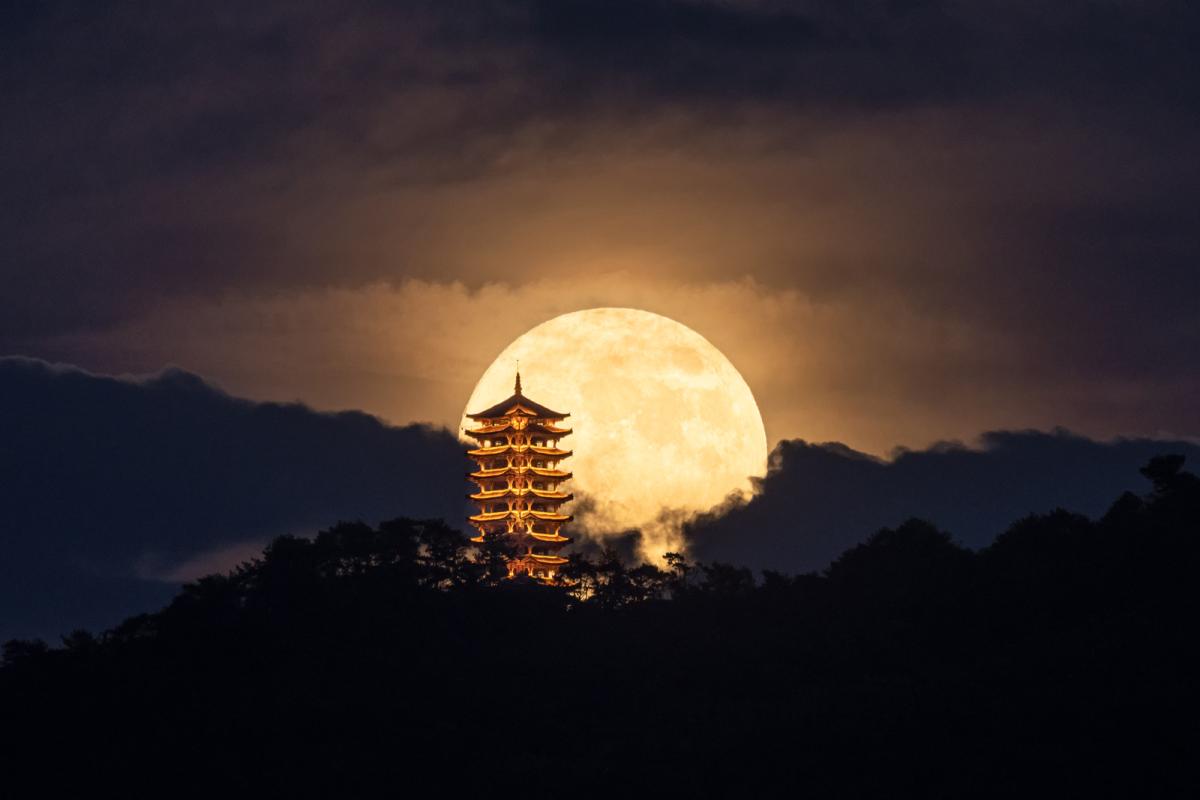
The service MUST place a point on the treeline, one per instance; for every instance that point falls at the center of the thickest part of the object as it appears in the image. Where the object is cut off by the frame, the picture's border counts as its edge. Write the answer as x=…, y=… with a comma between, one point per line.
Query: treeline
x=1059, y=660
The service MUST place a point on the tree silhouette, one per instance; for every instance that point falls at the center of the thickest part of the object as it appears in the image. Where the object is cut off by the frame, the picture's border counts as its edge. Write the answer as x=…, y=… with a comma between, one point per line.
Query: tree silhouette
x=1059, y=659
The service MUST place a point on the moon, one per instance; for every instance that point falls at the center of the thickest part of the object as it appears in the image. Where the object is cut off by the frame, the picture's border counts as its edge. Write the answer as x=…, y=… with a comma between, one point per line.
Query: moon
x=664, y=426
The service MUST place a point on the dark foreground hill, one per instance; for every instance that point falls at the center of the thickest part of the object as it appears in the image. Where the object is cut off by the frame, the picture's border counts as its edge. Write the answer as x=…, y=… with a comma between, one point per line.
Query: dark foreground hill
x=1059, y=661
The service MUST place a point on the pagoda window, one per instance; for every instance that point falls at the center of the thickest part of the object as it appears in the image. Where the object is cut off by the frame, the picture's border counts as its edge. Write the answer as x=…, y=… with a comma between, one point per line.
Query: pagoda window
x=516, y=448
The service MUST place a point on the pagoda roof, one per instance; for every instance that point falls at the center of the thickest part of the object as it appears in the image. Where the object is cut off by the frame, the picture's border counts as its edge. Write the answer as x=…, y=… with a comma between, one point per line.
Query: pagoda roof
x=547, y=560
x=501, y=427
x=549, y=516
x=491, y=516
x=496, y=494
x=547, y=495
x=549, y=452
x=496, y=516
x=561, y=474
x=499, y=472
x=494, y=523
x=517, y=404
x=552, y=538
x=490, y=494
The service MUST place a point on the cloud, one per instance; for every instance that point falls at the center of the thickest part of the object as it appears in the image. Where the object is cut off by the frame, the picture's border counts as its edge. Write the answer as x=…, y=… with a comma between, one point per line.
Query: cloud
x=109, y=486
x=112, y=488
x=857, y=366
x=901, y=221
x=820, y=499
x=981, y=213
x=196, y=151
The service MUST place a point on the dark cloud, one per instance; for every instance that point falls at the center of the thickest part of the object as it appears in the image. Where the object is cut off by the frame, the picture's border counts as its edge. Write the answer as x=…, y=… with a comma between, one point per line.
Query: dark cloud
x=109, y=487
x=113, y=489
x=1019, y=175
x=185, y=148
x=819, y=500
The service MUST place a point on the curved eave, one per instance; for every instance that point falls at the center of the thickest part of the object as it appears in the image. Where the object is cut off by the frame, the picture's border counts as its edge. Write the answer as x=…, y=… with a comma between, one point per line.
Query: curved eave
x=517, y=404
x=553, y=430
x=493, y=494
x=549, y=516
x=488, y=430
x=550, y=538
x=518, y=449
x=499, y=494
x=500, y=472
x=549, y=452
x=562, y=497
x=516, y=410
x=485, y=474
x=490, y=516
x=550, y=561
x=519, y=515
x=504, y=427
x=487, y=452
x=549, y=473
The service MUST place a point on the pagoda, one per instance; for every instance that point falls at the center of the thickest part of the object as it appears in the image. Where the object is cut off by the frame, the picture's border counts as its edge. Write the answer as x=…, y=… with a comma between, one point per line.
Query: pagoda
x=519, y=482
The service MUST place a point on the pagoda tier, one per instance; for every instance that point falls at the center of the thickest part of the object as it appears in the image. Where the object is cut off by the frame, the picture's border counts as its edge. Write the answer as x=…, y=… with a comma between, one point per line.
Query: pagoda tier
x=505, y=472
x=510, y=492
x=547, y=560
x=520, y=518
x=500, y=430
x=512, y=449
x=516, y=457
x=516, y=406
x=529, y=541
x=550, y=537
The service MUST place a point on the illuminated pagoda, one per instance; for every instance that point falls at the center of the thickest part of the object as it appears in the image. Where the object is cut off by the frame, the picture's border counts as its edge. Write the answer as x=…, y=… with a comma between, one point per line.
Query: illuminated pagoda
x=520, y=483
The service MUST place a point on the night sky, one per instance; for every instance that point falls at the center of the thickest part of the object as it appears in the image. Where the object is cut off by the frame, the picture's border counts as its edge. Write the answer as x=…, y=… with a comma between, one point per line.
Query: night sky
x=905, y=223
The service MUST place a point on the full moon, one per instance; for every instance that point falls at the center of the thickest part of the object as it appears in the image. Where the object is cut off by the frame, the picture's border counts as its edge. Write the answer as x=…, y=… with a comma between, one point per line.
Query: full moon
x=664, y=425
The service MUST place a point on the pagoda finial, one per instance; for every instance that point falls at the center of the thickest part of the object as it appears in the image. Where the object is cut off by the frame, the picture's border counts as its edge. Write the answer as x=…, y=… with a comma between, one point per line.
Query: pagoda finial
x=520, y=481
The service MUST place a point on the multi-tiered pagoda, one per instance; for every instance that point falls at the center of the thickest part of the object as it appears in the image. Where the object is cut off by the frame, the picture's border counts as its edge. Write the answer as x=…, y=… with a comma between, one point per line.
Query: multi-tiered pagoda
x=520, y=484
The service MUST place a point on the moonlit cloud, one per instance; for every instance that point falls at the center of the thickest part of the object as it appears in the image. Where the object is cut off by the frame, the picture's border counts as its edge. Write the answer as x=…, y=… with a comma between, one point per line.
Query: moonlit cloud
x=902, y=222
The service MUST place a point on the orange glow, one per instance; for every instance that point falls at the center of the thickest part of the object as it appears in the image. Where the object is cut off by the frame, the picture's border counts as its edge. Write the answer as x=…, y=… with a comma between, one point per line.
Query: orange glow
x=665, y=421
x=508, y=430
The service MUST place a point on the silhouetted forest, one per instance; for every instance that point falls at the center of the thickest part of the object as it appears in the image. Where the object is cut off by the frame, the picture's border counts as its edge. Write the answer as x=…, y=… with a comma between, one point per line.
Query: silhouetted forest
x=1059, y=660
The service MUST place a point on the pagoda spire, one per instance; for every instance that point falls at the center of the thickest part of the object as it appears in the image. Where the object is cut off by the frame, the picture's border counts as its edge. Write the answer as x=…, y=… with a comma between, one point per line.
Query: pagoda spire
x=520, y=482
